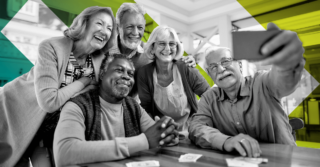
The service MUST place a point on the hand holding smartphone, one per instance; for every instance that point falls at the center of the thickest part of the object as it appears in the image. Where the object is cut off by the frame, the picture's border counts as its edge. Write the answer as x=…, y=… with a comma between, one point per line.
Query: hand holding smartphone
x=247, y=44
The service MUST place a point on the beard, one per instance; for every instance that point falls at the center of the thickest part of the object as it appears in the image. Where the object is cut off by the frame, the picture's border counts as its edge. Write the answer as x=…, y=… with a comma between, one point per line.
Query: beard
x=120, y=93
x=127, y=44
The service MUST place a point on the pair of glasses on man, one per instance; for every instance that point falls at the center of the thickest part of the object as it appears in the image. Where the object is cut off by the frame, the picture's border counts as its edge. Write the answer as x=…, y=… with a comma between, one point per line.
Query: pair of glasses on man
x=162, y=45
x=213, y=67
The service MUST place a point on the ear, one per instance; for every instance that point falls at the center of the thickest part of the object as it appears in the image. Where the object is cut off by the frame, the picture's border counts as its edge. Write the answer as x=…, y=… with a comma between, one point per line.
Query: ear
x=152, y=49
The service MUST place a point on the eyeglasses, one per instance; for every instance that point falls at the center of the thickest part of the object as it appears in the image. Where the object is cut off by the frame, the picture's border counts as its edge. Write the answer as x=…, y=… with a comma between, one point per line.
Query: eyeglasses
x=224, y=63
x=162, y=45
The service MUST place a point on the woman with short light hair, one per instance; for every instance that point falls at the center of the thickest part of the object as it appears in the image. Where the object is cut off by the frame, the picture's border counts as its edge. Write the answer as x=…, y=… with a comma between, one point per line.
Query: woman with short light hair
x=167, y=86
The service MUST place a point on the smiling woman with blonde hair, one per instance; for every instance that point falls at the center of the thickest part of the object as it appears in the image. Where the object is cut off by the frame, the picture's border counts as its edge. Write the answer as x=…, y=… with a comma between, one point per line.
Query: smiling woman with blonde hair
x=167, y=86
x=66, y=66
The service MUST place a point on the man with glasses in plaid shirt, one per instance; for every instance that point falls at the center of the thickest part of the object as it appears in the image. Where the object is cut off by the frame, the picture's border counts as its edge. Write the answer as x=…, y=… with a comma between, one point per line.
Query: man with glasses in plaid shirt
x=241, y=111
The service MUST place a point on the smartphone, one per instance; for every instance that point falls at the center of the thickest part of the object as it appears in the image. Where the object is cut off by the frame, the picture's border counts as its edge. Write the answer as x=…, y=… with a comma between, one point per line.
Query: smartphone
x=247, y=44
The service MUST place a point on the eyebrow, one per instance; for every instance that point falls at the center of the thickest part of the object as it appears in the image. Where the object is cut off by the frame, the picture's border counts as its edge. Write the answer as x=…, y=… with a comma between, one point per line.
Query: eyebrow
x=128, y=69
x=98, y=19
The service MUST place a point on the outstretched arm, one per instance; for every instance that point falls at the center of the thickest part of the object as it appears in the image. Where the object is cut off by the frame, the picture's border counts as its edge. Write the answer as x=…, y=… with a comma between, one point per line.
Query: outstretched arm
x=287, y=64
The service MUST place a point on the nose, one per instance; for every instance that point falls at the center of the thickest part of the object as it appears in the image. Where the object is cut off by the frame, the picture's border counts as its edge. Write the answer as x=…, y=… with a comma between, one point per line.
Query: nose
x=221, y=69
x=135, y=30
x=167, y=47
x=104, y=30
x=125, y=76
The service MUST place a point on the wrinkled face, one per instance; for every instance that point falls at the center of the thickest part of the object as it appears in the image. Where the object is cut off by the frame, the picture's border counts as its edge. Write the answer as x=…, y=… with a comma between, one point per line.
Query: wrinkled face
x=98, y=30
x=117, y=80
x=224, y=77
x=165, y=47
x=131, y=29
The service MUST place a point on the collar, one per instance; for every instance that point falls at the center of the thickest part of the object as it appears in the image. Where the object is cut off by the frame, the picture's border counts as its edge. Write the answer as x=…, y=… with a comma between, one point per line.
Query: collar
x=116, y=50
x=244, y=89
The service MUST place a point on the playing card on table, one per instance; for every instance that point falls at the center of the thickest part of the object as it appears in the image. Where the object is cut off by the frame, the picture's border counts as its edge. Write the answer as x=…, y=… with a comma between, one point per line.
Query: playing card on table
x=189, y=157
x=245, y=162
x=143, y=164
x=253, y=160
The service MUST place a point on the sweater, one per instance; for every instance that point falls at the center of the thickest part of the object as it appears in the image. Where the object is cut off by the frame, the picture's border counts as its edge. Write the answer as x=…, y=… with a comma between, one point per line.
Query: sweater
x=71, y=146
x=25, y=101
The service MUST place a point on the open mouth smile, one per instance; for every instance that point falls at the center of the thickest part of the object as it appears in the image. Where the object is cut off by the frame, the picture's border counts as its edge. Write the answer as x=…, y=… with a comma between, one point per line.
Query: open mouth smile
x=134, y=38
x=166, y=54
x=100, y=38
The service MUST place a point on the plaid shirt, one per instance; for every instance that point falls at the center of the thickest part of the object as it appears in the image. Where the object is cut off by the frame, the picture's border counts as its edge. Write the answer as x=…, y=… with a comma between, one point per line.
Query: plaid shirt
x=75, y=72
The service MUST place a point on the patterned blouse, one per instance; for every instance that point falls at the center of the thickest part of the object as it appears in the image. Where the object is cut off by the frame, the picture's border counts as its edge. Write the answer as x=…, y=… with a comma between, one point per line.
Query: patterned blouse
x=75, y=71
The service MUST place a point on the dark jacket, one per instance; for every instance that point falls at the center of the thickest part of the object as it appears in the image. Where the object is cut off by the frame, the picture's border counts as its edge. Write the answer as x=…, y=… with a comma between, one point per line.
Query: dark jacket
x=193, y=82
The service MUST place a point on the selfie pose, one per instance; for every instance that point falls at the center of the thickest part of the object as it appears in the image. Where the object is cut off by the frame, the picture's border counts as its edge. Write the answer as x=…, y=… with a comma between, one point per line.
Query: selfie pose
x=241, y=111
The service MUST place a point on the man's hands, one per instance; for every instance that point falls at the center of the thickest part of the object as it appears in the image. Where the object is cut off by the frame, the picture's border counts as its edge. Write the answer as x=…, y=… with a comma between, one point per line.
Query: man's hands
x=189, y=60
x=163, y=132
x=289, y=56
x=244, y=144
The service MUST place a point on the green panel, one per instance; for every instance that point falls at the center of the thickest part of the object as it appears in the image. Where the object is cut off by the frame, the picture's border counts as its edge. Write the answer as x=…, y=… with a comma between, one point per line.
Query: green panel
x=12, y=62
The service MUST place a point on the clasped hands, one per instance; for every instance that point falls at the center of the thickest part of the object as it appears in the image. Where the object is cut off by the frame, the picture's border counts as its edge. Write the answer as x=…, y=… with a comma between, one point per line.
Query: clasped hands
x=162, y=133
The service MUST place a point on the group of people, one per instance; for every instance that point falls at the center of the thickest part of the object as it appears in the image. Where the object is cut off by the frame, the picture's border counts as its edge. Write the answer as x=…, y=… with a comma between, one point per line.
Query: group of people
x=106, y=94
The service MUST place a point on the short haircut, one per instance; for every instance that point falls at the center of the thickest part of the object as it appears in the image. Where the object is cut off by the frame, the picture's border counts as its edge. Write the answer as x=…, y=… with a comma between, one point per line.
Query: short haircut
x=79, y=24
x=128, y=7
x=209, y=51
x=108, y=59
x=158, y=32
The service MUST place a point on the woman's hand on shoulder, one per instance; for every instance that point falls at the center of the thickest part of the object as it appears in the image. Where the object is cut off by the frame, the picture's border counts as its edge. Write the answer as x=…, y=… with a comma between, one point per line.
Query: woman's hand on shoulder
x=85, y=81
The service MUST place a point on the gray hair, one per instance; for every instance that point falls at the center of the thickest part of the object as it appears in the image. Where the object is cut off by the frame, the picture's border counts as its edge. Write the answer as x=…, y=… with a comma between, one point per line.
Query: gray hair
x=128, y=7
x=79, y=24
x=110, y=58
x=158, y=32
x=209, y=51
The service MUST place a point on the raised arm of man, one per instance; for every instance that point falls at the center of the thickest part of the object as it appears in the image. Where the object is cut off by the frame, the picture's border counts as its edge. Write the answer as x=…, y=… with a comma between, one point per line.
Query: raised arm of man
x=287, y=64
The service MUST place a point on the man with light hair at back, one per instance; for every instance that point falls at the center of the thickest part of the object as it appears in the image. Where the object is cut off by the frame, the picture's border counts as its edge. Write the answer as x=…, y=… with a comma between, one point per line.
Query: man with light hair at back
x=241, y=111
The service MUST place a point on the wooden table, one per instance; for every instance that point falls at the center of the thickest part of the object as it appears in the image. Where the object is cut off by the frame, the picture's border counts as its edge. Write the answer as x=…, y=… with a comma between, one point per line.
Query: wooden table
x=278, y=156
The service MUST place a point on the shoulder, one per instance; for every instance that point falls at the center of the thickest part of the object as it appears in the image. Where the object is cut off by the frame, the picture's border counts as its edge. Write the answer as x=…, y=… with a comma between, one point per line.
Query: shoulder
x=260, y=77
x=211, y=94
x=84, y=97
x=71, y=111
x=145, y=69
x=190, y=72
x=182, y=66
x=56, y=41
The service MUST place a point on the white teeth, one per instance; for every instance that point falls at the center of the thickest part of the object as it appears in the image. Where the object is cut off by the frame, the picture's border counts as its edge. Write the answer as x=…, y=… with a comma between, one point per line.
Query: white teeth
x=100, y=38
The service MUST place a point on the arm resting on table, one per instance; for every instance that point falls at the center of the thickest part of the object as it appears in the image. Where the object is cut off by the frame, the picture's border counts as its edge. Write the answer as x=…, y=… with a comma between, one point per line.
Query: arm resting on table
x=201, y=130
x=70, y=146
